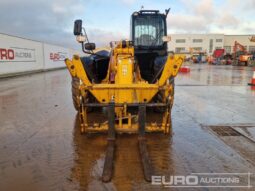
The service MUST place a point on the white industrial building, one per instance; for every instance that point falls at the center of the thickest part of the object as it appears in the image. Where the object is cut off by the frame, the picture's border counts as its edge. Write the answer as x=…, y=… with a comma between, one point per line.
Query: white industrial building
x=186, y=43
x=19, y=55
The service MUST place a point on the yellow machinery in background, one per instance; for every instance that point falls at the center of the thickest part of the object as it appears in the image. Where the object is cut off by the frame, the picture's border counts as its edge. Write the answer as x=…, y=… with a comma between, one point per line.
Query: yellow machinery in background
x=130, y=80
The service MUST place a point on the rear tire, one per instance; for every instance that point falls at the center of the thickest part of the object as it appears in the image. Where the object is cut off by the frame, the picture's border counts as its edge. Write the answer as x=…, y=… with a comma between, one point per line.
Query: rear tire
x=76, y=92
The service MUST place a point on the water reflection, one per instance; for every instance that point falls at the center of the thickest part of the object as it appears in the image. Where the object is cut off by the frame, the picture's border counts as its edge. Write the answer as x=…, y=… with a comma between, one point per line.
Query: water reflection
x=128, y=174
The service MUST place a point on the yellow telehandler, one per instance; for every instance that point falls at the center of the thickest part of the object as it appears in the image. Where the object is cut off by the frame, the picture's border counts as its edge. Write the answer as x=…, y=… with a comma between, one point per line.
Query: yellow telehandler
x=128, y=87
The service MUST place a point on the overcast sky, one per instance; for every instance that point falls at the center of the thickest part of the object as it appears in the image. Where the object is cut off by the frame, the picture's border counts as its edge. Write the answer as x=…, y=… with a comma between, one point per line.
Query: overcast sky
x=105, y=20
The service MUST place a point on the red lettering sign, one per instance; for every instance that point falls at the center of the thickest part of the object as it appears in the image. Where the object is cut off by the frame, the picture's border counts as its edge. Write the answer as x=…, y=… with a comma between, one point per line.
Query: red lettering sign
x=6, y=54
x=10, y=54
x=51, y=56
x=54, y=56
x=3, y=54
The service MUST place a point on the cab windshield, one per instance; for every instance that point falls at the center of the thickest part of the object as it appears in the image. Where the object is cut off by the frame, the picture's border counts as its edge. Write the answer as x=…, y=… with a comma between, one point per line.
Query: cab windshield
x=148, y=31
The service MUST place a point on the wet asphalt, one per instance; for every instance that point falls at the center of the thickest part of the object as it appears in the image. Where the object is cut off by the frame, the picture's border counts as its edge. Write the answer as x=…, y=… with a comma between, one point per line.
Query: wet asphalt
x=41, y=147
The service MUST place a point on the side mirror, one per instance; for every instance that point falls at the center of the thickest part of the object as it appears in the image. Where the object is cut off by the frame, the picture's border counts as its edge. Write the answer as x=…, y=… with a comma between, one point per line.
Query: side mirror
x=77, y=29
x=90, y=46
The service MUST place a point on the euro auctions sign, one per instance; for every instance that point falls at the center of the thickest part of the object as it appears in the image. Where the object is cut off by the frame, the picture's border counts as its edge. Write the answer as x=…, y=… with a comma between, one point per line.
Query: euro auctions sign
x=7, y=54
x=17, y=54
x=54, y=56
x=58, y=56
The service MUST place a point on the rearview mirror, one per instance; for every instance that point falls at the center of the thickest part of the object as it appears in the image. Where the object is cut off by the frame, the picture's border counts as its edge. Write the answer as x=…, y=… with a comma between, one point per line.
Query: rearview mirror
x=77, y=30
x=90, y=46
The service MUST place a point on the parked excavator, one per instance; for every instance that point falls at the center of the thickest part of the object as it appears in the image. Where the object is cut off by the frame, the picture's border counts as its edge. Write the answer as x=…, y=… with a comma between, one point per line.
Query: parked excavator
x=252, y=61
x=252, y=39
x=241, y=55
x=115, y=89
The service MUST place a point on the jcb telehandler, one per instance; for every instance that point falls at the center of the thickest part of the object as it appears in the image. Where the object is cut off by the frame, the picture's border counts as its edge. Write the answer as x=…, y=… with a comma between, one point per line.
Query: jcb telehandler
x=130, y=80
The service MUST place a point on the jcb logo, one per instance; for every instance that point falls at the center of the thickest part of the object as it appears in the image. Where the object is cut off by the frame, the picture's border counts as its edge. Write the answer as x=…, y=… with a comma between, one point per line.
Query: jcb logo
x=6, y=54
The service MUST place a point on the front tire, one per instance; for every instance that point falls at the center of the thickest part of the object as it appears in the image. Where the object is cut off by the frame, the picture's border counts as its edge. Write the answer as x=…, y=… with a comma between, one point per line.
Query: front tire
x=76, y=92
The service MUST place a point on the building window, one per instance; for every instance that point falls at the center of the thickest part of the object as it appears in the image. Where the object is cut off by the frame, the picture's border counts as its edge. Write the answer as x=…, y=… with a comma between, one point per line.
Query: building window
x=219, y=40
x=179, y=49
x=180, y=40
x=197, y=48
x=218, y=47
x=227, y=49
x=197, y=40
x=251, y=48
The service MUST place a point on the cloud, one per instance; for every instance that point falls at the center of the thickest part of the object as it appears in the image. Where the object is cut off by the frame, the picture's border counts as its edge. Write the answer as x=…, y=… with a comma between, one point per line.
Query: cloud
x=52, y=21
x=207, y=16
x=250, y=5
x=102, y=37
x=41, y=19
x=205, y=8
x=186, y=23
x=129, y=1
x=195, y=17
x=227, y=20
